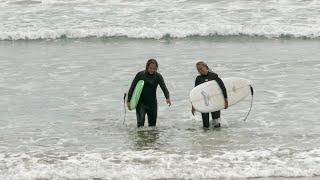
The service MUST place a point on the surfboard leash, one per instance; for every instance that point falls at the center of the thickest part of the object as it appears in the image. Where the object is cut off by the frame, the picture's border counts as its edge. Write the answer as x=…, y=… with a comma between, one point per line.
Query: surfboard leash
x=124, y=107
x=251, y=88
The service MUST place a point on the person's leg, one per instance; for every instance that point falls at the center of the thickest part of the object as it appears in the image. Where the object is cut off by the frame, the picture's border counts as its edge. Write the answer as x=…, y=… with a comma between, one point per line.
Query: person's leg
x=205, y=119
x=152, y=111
x=216, y=119
x=141, y=114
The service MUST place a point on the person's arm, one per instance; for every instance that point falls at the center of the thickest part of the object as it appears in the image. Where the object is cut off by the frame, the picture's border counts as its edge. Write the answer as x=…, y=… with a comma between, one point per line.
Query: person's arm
x=223, y=88
x=224, y=91
x=133, y=85
x=164, y=89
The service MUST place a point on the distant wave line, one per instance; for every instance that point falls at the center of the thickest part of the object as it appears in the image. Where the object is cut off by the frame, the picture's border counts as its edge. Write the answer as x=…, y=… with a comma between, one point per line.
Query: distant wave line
x=164, y=36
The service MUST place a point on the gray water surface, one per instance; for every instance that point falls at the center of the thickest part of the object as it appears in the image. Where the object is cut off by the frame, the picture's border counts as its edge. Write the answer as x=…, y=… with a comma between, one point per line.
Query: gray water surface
x=61, y=110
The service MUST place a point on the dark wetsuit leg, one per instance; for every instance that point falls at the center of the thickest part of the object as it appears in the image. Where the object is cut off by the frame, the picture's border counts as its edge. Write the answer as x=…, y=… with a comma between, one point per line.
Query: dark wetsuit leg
x=215, y=118
x=215, y=115
x=205, y=119
x=141, y=114
x=152, y=114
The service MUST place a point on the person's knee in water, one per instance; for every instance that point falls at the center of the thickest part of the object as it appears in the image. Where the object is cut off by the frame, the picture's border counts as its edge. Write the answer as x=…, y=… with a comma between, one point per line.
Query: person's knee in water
x=216, y=119
x=205, y=120
x=141, y=114
x=148, y=102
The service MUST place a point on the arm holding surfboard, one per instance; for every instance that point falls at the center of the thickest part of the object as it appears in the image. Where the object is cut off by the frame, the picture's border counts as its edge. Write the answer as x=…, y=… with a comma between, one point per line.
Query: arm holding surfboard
x=224, y=91
x=132, y=87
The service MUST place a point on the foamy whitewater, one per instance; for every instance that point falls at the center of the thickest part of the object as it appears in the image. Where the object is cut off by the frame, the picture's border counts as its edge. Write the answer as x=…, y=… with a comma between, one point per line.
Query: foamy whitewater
x=64, y=66
x=51, y=19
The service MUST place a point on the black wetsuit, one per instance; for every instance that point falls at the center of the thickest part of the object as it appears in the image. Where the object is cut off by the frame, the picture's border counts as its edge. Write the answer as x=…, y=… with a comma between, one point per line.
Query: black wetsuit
x=148, y=100
x=205, y=78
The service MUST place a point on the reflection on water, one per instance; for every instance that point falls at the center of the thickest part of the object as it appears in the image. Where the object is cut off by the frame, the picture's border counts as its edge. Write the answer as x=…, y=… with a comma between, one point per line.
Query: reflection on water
x=145, y=138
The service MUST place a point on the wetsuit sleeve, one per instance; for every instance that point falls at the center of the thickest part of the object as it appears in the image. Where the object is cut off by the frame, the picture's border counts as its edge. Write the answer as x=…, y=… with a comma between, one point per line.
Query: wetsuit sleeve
x=133, y=85
x=223, y=88
x=163, y=87
x=197, y=82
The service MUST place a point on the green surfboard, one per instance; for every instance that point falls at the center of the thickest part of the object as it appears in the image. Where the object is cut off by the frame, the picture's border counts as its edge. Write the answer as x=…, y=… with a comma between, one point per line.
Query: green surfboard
x=136, y=94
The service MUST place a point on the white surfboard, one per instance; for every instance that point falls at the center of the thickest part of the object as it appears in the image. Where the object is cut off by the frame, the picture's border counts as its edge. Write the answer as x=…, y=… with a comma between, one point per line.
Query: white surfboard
x=208, y=97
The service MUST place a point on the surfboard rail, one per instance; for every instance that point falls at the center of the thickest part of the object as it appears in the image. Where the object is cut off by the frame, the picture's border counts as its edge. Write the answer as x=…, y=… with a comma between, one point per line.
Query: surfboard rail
x=136, y=94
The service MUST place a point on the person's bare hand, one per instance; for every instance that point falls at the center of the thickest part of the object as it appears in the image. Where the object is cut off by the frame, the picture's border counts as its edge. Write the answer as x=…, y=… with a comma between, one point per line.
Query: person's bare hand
x=193, y=110
x=168, y=101
x=226, y=103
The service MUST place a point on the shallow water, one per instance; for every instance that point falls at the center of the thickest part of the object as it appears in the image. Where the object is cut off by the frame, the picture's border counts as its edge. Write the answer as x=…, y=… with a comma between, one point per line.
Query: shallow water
x=61, y=110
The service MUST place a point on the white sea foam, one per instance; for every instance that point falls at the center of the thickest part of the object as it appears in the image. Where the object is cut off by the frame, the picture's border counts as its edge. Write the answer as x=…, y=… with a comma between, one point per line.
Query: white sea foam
x=52, y=19
x=157, y=164
x=159, y=33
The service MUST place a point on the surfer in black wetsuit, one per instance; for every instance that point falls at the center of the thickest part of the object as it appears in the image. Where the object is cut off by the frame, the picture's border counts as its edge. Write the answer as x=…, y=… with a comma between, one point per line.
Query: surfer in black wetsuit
x=207, y=75
x=148, y=100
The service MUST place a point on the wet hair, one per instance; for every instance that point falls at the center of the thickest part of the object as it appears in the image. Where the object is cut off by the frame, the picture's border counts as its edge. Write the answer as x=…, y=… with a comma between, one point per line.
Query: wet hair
x=151, y=61
x=203, y=64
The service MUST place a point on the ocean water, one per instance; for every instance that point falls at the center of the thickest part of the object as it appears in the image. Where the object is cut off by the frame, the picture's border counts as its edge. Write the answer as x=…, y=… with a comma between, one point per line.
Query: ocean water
x=51, y=19
x=65, y=65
